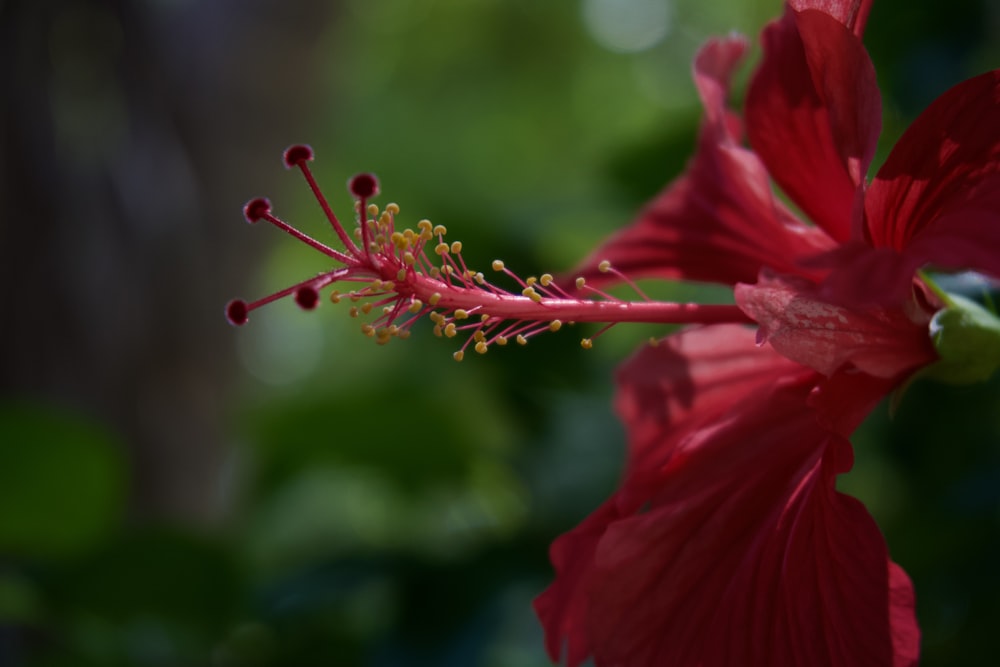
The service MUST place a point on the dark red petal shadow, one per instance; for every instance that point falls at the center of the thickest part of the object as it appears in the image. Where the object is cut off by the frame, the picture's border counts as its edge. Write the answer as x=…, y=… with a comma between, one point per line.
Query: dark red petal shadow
x=937, y=197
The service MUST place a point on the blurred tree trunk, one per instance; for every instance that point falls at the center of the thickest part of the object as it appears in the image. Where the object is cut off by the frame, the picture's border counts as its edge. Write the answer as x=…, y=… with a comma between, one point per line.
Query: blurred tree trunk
x=131, y=133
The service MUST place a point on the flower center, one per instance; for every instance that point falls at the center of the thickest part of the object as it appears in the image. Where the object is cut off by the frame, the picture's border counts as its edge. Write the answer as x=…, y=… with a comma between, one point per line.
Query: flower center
x=406, y=274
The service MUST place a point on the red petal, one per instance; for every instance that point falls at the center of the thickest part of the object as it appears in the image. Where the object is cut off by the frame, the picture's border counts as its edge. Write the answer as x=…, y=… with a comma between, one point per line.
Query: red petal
x=902, y=617
x=563, y=607
x=813, y=114
x=713, y=68
x=747, y=554
x=883, y=342
x=937, y=197
x=686, y=383
x=719, y=222
x=852, y=13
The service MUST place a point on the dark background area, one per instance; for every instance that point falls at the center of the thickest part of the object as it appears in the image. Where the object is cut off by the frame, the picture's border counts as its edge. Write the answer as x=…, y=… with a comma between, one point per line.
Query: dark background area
x=174, y=491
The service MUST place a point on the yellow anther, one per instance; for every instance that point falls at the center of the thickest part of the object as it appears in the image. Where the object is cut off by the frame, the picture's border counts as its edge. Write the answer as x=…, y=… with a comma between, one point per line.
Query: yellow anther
x=353, y=312
x=398, y=240
x=461, y=314
x=357, y=233
x=372, y=210
x=532, y=294
x=409, y=235
x=404, y=334
x=497, y=265
x=484, y=318
x=479, y=278
x=481, y=347
x=425, y=226
x=437, y=330
x=586, y=343
x=392, y=208
x=441, y=248
x=389, y=286
x=354, y=296
x=458, y=356
x=408, y=258
x=531, y=280
x=374, y=247
x=366, y=308
x=415, y=306
x=437, y=318
x=521, y=340
x=334, y=296
x=434, y=298
x=546, y=279
x=368, y=330
x=451, y=330
x=604, y=266
x=501, y=340
x=555, y=325
x=386, y=310
x=440, y=230
x=447, y=269
x=376, y=285
x=385, y=219
x=401, y=275
x=580, y=282
x=435, y=272
x=479, y=336
x=456, y=247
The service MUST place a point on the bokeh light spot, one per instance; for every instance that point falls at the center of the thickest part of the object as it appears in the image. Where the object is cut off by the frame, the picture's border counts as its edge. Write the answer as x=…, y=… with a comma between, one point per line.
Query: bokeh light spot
x=627, y=26
x=282, y=348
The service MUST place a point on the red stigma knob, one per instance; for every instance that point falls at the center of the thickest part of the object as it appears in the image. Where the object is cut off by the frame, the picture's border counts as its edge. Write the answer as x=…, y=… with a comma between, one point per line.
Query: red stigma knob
x=236, y=312
x=256, y=209
x=297, y=154
x=363, y=186
x=306, y=297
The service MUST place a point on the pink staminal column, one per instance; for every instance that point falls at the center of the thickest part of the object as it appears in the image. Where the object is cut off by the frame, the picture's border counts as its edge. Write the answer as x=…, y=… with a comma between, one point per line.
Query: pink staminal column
x=403, y=275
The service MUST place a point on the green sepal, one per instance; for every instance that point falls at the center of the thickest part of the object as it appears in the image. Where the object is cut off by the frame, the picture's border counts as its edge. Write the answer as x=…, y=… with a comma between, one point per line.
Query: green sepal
x=967, y=338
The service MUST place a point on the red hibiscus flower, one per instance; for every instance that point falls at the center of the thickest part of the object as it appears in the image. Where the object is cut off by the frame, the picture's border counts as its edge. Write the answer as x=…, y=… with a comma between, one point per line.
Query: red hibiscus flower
x=727, y=542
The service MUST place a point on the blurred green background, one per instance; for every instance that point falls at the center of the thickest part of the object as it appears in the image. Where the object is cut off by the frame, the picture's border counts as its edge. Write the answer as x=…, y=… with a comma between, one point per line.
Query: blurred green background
x=174, y=491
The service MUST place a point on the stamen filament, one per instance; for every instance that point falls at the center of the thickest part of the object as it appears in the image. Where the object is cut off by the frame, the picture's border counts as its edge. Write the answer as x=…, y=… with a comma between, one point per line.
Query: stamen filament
x=607, y=267
x=308, y=240
x=301, y=163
